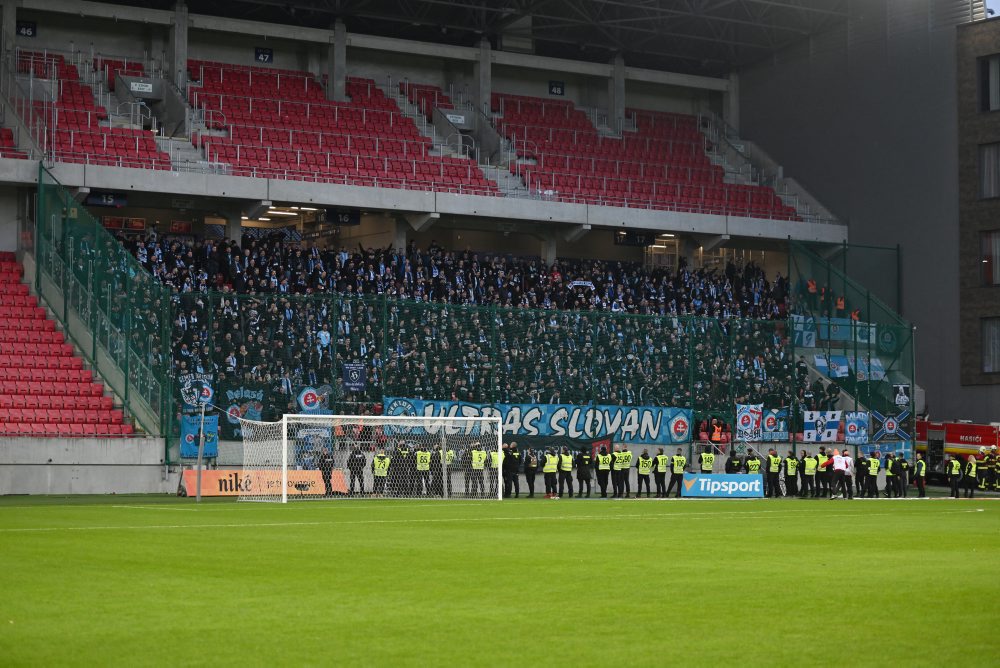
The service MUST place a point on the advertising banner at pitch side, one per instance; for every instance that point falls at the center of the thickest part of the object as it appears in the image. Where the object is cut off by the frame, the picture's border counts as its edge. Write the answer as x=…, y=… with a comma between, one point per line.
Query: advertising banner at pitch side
x=723, y=486
x=635, y=425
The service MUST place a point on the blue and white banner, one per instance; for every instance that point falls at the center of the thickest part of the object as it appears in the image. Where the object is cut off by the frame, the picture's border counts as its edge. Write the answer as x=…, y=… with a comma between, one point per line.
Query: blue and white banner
x=195, y=389
x=897, y=448
x=355, y=377
x=723, y=486
x=856, y=427
x=868, y=368
x=189, y=435
x=836, y=367
x=845, y=329
x=775, y=426
x=748, y=422
x=637, y=425
x=890, y=427
x=314, y=400
x=805, y=331
x=821, y=426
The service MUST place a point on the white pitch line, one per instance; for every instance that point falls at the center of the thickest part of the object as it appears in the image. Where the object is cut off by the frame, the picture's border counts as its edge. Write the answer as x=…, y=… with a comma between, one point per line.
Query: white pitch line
x=185, y=510
x=444, y=520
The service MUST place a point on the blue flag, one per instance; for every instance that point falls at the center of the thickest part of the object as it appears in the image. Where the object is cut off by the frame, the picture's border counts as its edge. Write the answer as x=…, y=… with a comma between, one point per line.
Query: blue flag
x=189, y=435
x=856, y=427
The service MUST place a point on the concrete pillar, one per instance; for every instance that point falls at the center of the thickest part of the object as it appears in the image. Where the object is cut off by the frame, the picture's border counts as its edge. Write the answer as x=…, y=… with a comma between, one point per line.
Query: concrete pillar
x=178, y=47
x=9, y=28
x=731, y=102
x=336, y=64
x=482, y=74
x=616, y=93
x=399, y=236
x=234, y=227
x=548, y=251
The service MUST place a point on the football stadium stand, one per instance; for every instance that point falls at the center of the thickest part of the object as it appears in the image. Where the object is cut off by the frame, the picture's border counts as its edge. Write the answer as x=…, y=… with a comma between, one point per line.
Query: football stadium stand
x=44, y=389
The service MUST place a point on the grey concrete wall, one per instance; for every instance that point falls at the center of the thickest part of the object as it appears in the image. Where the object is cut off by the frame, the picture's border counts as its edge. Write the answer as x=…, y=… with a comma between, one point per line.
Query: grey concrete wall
x=865, y=117
x=8, y=218
x=83, y=466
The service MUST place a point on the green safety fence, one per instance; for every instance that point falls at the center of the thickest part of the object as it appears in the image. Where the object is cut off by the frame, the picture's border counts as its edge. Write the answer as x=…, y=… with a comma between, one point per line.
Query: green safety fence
x=141, y=338
x=114, y=310
x=838, y=321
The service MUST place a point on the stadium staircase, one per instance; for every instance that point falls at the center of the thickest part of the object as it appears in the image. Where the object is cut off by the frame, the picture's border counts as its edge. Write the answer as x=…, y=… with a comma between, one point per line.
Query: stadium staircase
x=45, y=391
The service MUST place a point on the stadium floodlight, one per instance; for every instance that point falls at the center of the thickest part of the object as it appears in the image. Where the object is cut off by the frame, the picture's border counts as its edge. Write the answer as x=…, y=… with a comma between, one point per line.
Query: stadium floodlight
x=305, y=457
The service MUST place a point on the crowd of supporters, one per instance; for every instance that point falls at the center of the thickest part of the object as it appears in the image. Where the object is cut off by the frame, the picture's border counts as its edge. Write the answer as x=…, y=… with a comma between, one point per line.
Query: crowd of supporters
x=438, y=324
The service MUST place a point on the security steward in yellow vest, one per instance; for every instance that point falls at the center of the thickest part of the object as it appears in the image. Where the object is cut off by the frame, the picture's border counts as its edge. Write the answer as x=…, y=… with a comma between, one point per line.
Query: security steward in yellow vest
x=616, y=471
x=874, y=466
x=971, y=467
x=496, y=461
x=707, y=460
x=474, y=487
x=773, y=487
x=791, y=474
x=380, y=471
x=604, y=461
x=822, y=474
x=678, y=463
x=583, y=472
x=624, y=473
x=660, y=470
x=550, y=469
x=808, y=466
x=566, y=472
x=643, y=466
x=953, y=467
x=920, y=475
x=423, y=459
x=752, y=464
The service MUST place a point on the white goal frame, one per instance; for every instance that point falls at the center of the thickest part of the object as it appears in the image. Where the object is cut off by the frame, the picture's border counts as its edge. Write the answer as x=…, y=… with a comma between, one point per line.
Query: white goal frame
x=300, y=418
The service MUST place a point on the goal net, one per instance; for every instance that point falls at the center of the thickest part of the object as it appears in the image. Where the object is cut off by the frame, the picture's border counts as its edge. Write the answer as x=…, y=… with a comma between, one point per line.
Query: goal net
x=345, y=456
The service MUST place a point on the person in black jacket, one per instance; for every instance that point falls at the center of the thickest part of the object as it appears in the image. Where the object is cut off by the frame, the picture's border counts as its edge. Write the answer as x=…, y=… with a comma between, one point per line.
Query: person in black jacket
x=904, y=475
x=733, y=463
x=861, y=475
x=583, y=472
x=897, y=475
x=511, y=466
x=356, y=467
x=530, y=469
x=325, y=465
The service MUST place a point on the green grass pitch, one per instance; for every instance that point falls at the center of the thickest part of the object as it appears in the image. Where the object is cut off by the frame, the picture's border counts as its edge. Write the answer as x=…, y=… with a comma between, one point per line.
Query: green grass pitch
x=131, y=581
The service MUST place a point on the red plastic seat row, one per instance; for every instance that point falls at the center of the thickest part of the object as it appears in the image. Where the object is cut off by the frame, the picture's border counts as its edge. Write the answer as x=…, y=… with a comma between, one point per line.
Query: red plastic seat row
x=42, y=430
x=56, y=402
x=19, y=301
x=60, y=415
x=51, y=388
x=39, y=362
x=17, y=347
x=31, y=337
x=46, y=375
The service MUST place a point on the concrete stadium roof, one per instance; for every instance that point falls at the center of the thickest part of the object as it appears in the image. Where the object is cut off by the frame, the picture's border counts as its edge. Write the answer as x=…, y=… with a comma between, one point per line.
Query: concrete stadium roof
x=707, y=37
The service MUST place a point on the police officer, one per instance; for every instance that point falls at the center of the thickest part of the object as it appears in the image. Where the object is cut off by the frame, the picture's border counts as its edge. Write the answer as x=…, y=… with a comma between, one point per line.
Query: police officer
x=953, y=467
x=861, y=475
x=422, y=459
x=437, y=471
x=644, y=466
x=474, y=485
x=904, y=474
x=380, y=471
x=678, y=464
x=566, y=472
x=399, y=473
x=773, y=489
x=733, y=463
x=822, y=474
x=625, y=456
x=583, y=469
x=920, y=475
x=808, y=465
x=707, y=460
x=604, y=462
x=511, y=468
x=616, y=472
x=530, y=470
x=890, y=475
x=325, y=465
x=969, y=475
x=791, y=474
x=660, y=473
x=356, y=467
x=550, y=469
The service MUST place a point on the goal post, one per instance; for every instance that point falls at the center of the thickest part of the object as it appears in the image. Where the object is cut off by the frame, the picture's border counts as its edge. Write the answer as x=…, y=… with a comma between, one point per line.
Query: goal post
x=305, y=457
